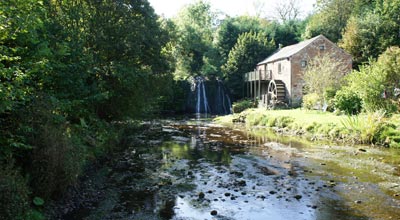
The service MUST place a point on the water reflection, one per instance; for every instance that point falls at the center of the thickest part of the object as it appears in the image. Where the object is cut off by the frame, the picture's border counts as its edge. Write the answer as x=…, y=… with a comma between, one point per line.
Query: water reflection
x=202, y=171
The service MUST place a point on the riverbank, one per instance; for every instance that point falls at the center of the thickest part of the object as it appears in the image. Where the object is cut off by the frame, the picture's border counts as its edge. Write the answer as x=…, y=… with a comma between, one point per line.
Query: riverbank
x=194, y=169
x=368, y=128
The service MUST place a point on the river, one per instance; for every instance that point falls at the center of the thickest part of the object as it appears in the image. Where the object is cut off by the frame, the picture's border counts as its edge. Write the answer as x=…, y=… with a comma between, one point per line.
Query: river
x=195, y=169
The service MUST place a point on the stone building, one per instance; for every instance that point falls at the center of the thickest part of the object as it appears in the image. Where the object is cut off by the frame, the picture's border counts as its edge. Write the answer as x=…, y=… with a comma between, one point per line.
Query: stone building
x=279, y=78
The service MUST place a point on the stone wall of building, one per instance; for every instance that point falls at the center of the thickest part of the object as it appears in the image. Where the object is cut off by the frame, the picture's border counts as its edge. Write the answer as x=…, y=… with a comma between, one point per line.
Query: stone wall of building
x=316, y=48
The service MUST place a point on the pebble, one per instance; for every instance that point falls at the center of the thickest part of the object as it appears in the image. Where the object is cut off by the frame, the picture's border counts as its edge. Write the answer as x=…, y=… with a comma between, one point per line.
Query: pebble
x=214, y=212
x=227, y=194
x=298, y=197
x=201, y=195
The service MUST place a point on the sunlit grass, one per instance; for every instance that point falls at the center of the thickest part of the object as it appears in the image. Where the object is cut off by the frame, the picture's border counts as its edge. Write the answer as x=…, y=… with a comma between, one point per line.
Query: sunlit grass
x=370, y=127
x=306, y=116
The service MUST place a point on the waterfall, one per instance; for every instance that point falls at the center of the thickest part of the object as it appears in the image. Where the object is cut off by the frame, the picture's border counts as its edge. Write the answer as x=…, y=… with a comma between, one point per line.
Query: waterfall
x=208, y=97
x=198, y=98
x=201, y=98
x=226, y=103
x=205, y=98
x=229, y=104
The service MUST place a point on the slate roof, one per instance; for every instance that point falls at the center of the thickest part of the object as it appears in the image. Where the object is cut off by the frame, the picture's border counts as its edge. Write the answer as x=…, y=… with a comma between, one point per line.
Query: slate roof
x=289, y=51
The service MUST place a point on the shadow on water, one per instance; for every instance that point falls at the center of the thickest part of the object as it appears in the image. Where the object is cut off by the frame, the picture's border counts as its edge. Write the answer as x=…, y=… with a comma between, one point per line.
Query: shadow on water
x=197, y=170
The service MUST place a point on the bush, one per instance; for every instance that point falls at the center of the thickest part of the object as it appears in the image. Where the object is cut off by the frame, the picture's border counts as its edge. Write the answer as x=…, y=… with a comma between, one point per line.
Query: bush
x=329, y=97
x=366, y=127
x=57, y=160
x=14, y=194
x=375, y=83
x=242, y=105
x=348, y=101
x=283, y=121
x=256, y=119
x=390, y=136
x=310, y=101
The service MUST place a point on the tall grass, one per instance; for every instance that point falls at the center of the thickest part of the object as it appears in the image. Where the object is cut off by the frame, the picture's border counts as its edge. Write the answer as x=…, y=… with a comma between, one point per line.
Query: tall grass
x=367, y=127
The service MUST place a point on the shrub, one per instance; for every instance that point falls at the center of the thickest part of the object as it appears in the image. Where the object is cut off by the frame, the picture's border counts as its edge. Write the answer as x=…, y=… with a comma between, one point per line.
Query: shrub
x=367, y=127
x=14, y=194
x=310, y=101
x=329, y=97
x=348, y=101
x=283, y=121
x=390, y=136
x=56, y=161
x=255, y=119
x=242, y=105
x=375, y=83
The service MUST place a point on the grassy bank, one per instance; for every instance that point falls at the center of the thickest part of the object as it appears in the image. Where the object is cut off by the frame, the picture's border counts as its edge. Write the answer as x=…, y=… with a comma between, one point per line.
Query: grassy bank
x=367, y=128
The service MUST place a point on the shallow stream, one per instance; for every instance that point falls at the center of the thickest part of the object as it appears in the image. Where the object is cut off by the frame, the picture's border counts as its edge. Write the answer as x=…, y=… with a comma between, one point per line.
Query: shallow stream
x=198, y=170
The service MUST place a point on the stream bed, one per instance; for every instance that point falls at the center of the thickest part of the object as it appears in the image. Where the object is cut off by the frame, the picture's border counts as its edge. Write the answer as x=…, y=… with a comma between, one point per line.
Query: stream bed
x=195, y=169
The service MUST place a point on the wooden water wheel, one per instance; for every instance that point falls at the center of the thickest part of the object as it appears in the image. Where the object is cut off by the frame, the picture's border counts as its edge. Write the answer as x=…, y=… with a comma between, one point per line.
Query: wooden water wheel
x=276, y=93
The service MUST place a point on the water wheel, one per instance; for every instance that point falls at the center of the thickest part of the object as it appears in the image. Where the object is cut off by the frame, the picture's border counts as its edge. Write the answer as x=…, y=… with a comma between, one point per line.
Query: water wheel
x=276, y=93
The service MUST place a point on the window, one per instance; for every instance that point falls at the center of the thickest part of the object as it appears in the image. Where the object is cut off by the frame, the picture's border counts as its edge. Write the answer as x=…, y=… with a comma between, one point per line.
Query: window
x=303, y=63
x=279, y=68
x=321, y=47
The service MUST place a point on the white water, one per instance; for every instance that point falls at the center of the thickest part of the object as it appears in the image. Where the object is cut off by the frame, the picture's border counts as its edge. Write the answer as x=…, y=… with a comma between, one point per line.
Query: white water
x=201, y=97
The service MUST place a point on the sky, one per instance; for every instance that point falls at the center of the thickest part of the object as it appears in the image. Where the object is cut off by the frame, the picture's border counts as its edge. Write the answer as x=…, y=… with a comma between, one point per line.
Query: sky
x=170, y=8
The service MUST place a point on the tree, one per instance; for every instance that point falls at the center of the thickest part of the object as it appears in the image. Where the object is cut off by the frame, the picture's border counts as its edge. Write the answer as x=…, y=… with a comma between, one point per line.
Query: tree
x=330, y=19
x=288, y=10
x=230, y=29
x=66, y=69
x=329, y=69
x=377, y=82
x=361, y=38
x=369, y=34
x=195, y=27
x=249, y=49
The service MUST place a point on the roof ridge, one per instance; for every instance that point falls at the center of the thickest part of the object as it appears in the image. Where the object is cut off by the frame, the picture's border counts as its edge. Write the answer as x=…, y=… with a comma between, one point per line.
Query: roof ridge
x=289, y=50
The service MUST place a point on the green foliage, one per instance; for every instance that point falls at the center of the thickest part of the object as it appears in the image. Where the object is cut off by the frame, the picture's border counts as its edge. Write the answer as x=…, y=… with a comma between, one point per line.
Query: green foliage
x=38, y=201
x=194, y=45
x=231, y=28
x=328, y=68
x=66, y=69
x=361, y=38
x=348, y=101
x=310, y=101
x=286, y=33
x=390, y=136
x=375, y=83
x=14, y=194
x=372, y=30
x=242, y=105
x=330, y=19
x=35, y=215
x=329, y=97
x=250, y=49
x=282, y=122
x=366, y=128
x=256, y=119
